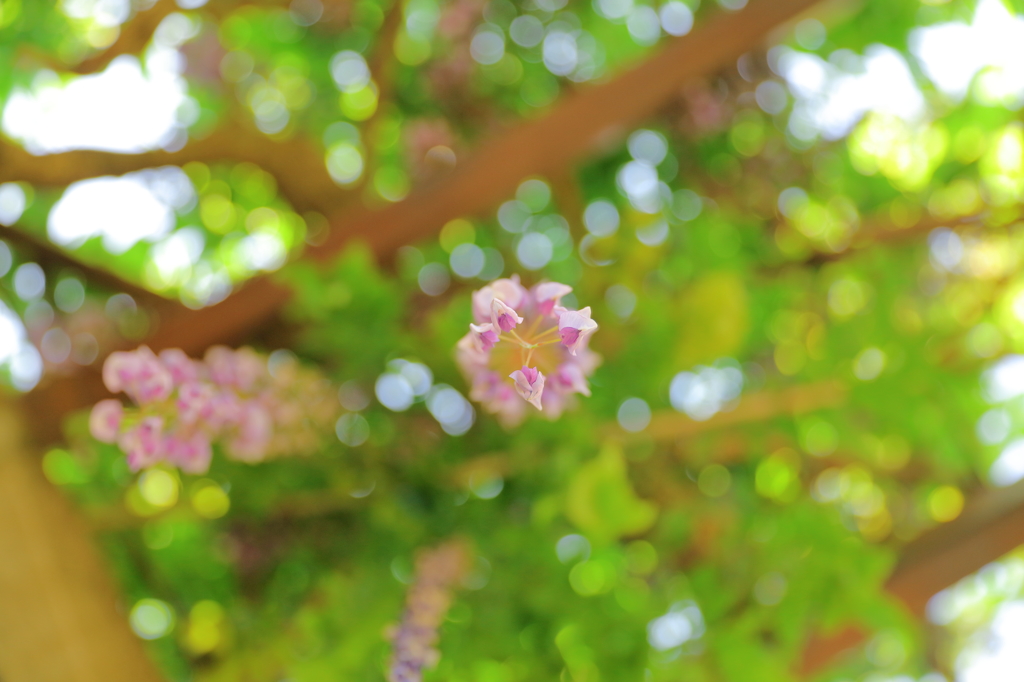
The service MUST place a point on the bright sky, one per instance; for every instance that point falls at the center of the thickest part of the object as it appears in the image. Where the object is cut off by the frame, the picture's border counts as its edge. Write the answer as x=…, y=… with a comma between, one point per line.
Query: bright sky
x=118, y=110
x=952, y=54
x=21, y=357
x=832, y=95
x=998, y=656
x=122, y=210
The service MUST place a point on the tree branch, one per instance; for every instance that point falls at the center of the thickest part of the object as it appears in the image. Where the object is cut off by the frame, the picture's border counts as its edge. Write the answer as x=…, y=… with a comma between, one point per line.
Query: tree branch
x=669, y=425
x=565, y=186
x=581, y=121
x=296, y=163
x=991, y=526
x=47, y=254
x=881, y=231
x=382, y=68
x=134, y=36
x=138, y=31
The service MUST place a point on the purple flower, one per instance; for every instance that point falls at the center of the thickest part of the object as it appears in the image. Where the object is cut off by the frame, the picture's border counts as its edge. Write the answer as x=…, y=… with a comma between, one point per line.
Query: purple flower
x=119, y=370
x=575, y=326
x=518, y=332
x=220, y=363
x=508, y=290
x=225, y=410
x=253, y=435
x=529, y=383
x=143, y=443
x=241, y=369
x=105, y=420
x=140, y=374
x=250, y=369
x=498, y=397
x=191, y=455
x=184, y=406
x=504, y=317
x=427, y=602
x=182, y=368
x=548, y=295
x=571, y=378
x=469, y=352
x=485, y=335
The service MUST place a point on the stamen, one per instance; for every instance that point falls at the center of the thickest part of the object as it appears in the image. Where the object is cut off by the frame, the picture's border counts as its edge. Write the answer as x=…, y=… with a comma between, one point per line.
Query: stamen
x=533, y=326
x=517, y=340
x=546, y=332
x=525, y=343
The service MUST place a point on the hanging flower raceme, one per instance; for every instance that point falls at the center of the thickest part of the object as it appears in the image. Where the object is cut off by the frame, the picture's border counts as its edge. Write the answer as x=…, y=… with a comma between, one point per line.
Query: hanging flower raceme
x=524, y=347
x=254, y=407
x=413, y=640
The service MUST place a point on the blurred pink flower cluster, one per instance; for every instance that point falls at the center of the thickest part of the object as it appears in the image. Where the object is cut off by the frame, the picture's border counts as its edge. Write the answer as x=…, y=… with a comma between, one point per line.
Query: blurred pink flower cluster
x=413, y=640
x=524, y=347
x=255, y=407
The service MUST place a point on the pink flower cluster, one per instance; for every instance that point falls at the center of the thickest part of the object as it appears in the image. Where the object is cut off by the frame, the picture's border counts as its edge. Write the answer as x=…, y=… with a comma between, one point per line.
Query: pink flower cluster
x=252, y=408
x=437, y=571
x=524, y=347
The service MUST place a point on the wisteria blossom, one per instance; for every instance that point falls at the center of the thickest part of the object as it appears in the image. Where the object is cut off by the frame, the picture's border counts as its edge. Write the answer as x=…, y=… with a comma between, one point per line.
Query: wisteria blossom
x=252, y=406
x=524, y=348
x=413, y=640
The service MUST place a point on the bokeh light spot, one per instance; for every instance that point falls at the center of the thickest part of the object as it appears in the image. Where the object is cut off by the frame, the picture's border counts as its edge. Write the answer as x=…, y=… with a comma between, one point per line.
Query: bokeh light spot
x=151, y=618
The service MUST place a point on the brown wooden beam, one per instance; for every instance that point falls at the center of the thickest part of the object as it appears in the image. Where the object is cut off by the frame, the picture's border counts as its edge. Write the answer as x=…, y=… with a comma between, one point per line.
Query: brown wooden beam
x=50, y=256
x=670, y=425
x=991, y=526
x=135, y=34
x=296, y=163
x=132, y=39
x=597, y=114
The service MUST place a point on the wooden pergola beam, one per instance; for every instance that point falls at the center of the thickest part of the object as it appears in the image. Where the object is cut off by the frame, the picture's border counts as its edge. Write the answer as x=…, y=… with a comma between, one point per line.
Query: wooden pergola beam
x=50, y=256
x=296, y=163
x=669, y=426
x=991, y=526
x=594, y=115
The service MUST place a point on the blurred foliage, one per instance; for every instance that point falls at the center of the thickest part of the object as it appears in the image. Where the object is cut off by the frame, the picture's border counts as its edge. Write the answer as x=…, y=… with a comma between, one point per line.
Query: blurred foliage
x=872, y=274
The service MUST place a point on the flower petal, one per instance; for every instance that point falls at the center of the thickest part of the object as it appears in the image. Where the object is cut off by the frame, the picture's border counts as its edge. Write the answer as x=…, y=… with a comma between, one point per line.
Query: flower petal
x=575, y=326
x=529, y=383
